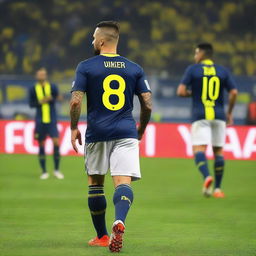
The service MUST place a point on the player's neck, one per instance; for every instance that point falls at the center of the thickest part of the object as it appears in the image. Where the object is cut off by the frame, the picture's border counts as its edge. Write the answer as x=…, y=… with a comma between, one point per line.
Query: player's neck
x=42, y=82
x=108, y=50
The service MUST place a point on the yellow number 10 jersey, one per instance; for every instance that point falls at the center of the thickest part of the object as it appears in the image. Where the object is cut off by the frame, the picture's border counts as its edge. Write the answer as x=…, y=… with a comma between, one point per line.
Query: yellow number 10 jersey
x=207, y=82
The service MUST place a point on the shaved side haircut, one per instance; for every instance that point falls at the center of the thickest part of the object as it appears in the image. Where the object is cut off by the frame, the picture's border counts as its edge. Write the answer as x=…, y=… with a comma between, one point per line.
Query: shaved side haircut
x=110, y=30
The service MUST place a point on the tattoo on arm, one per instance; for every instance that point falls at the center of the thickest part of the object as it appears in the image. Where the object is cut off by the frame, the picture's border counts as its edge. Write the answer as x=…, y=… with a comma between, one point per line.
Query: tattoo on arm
x=75, y=108
x=146, y=108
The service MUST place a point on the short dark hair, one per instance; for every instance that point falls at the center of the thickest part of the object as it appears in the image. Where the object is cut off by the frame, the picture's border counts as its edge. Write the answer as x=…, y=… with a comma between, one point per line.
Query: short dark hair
x=108, y=24
x=207, y=48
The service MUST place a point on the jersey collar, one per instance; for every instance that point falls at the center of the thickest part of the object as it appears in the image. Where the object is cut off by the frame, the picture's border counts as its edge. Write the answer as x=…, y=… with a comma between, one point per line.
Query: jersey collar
x=207, y=62
x=109, y=54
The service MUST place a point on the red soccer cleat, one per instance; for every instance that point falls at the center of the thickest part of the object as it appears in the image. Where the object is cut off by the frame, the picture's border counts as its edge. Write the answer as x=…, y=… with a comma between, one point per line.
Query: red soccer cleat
x=218, y=193
x=207, y=190
x=116, y=238
x=103, y=241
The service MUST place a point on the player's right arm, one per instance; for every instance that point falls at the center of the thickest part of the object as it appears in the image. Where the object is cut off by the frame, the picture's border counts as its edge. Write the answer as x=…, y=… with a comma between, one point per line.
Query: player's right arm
x=33, y=102
x=78, y=90
x=145, y=97
x=75, y=110
x=145, y=112
x=232, y=95
x=182, y=90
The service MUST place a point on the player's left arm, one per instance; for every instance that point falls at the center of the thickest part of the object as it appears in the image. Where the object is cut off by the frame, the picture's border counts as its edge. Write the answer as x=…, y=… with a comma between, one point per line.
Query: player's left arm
x=33, y=102
x=75, y=111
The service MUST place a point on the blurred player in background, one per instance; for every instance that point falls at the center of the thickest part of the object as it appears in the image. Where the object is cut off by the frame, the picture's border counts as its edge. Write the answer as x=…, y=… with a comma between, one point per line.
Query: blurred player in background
x=110, y=82
x=205, y=82
x=43, y=96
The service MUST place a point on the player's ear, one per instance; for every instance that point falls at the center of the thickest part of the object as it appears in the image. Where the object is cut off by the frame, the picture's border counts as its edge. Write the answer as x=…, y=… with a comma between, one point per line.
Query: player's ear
x=101, y=42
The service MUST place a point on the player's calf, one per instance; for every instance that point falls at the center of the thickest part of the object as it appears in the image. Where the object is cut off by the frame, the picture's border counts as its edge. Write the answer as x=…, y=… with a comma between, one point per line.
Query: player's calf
x=218, y=170
x=42, y=162
x=201, y=163
x=123, y=198
x=97, y=205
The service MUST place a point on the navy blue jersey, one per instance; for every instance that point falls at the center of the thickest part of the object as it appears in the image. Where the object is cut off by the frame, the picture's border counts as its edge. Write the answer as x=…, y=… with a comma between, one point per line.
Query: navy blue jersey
x=46, y=112
x=110, y=82
x=207, y=82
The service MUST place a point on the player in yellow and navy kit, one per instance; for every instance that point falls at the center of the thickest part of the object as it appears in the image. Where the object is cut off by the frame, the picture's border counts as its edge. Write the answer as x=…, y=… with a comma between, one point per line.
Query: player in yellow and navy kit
x=206, y=82
x=110, y=83
x=43, y=96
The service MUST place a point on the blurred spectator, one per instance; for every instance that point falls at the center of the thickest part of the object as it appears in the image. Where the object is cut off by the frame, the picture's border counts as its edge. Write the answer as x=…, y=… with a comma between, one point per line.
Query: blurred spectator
x=157, y=34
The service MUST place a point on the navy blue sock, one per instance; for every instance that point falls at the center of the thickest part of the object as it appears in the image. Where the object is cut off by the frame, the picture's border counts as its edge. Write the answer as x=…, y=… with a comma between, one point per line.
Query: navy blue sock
x=218, y=170
x=42, y=160
x=56, y=157
x=201, y=163
x=123, y=198
x=97, y=205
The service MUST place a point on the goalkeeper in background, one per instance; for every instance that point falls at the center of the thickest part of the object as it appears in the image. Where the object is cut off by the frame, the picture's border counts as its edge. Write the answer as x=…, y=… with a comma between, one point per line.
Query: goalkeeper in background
x=43, y=96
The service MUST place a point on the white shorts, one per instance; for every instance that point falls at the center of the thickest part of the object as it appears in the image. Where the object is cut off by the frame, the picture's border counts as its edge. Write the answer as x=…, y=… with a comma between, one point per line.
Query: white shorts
x=204, y=132
x=120, y=156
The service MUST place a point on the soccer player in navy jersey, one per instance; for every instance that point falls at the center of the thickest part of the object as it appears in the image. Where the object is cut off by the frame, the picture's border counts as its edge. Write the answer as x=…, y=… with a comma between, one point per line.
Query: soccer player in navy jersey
x=205, y=82
x=43, y=96
x=110, y=82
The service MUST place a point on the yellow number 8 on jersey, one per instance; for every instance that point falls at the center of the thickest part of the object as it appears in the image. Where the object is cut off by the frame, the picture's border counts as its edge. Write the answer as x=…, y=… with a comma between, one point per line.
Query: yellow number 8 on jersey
x=108, y=91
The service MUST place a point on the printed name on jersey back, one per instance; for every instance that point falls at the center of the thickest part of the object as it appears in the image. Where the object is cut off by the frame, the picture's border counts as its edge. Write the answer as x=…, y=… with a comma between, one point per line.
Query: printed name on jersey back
x=114, y=64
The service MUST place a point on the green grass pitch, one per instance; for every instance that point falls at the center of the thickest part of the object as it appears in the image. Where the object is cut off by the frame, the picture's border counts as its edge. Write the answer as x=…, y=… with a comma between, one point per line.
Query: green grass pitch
x=169, y=215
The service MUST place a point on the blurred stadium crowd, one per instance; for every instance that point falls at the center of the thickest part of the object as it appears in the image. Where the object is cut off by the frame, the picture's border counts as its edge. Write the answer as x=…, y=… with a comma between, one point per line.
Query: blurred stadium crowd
x=160, y=35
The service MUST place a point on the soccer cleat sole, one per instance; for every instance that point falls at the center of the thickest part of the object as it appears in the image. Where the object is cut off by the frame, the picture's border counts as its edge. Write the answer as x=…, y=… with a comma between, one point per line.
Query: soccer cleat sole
x=116, y=239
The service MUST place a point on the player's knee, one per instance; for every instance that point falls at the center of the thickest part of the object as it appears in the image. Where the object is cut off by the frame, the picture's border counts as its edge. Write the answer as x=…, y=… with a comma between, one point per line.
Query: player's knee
x=96, y=180
x=41, y=143
x=119, y=180
x=218, y=151
x=55, y=142
x=199, y=148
